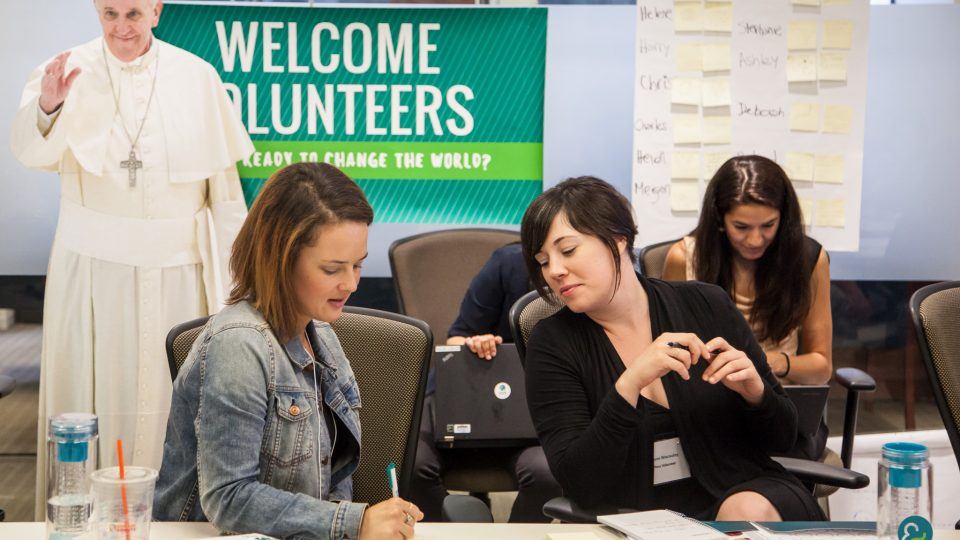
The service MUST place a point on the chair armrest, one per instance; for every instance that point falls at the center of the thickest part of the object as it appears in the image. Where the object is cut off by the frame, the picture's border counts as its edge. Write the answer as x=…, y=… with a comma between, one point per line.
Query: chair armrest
x=568, y=511
x=855, y=380
x=821, y=473
x=7, y=384
x=465, y=509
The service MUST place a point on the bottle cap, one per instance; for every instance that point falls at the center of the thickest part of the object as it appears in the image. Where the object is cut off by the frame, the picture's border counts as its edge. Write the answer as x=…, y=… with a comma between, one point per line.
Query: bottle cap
x=72, y=432
x=905, y=461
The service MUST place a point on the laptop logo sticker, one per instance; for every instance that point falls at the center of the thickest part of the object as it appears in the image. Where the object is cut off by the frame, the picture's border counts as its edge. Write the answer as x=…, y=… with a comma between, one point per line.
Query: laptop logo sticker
x=502, y=390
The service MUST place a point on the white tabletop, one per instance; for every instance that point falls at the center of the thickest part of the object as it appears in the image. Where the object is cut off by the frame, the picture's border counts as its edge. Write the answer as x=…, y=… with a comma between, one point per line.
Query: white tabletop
x=425, y=531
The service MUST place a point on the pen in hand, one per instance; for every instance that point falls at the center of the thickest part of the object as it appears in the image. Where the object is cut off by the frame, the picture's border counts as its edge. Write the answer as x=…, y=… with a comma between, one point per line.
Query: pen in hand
x=392, y=479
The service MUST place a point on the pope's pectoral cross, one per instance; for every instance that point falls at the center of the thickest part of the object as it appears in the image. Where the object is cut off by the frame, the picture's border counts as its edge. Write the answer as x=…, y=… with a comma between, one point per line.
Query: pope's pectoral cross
x=132, y=164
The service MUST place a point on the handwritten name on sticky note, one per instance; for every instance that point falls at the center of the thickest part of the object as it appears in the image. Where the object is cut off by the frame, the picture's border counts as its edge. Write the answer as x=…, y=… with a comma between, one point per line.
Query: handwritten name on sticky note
x=799, y=166
x=684, y=196
x=716, y=56
x=837, y=119
x=685, y=165
x=686, y=129
x=802, y=67
x=837, y=34
x=833, y=66
x=805, y=117
x=831, y=213
x=801, y=35
x=689, y=57
x=829, y=169
x=685, y=91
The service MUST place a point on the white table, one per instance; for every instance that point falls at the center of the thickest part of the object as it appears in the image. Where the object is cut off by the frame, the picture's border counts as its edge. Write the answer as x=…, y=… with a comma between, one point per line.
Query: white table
x=425, y=531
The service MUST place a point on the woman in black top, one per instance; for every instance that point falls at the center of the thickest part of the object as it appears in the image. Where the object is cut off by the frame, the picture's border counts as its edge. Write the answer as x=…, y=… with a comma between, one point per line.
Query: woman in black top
x=611, y=390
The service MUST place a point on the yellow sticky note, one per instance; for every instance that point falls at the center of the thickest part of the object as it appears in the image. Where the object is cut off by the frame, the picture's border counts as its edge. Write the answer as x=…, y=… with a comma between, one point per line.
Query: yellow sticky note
x=718, y=18
x=836, y=2
x=833, y=66
x=712, y=161
x=799, y=166
x=837, y=119
x=689, y=57
x=686, y=128
x=716, y=56
x=716, y=92
x=685, y=91
x=717, y=130
x=685, y=165
x=830, y=213
x=806, y=2
x=829, y=169
x=801, y=35
x=805, y=117
x=802, y=67
x=688, y=17
x=837, y=34
x=684, y=196
x=806, y=211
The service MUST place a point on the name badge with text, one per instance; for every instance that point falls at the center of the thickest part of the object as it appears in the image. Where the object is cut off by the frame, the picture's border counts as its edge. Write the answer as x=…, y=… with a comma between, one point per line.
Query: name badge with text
x=669, y=463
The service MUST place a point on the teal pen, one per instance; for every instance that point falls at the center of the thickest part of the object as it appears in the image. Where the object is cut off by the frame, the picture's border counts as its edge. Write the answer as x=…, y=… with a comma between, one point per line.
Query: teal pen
x=392, y=479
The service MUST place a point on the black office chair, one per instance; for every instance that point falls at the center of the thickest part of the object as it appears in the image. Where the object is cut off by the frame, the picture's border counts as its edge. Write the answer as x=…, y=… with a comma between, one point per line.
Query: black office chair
x=389, y=354
x=935, y=310
x=653, y=258
x=7, y=386
x=531, y=309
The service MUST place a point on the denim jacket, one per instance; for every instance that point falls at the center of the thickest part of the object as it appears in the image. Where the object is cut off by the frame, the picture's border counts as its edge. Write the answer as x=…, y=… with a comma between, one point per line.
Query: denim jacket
x=246, y=446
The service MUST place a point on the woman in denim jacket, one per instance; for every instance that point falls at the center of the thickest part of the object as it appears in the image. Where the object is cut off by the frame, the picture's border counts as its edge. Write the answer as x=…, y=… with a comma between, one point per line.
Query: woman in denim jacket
x=264, y=428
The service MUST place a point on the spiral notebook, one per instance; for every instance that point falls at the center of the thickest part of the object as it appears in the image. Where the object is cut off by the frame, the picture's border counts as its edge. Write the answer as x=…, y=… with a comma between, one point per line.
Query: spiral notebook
x=660, y=525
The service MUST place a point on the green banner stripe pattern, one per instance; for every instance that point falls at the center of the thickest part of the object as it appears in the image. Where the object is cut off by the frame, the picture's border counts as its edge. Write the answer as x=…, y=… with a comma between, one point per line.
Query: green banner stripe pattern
x=439, y=201
x=438, y=161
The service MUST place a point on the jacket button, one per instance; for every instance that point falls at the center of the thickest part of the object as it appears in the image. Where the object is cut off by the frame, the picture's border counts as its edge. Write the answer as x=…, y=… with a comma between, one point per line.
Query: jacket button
x=294, y=410
x=324, y=460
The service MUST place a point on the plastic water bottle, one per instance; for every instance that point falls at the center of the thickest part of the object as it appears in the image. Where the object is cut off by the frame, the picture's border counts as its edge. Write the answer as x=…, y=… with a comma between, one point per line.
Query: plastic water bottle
x=71, y=457
x=905, y=498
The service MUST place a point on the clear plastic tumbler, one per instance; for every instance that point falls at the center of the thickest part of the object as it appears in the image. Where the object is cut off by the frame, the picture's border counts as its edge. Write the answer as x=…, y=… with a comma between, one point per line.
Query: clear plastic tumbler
x=71, y=457
x=905, y=492
x=123, y=506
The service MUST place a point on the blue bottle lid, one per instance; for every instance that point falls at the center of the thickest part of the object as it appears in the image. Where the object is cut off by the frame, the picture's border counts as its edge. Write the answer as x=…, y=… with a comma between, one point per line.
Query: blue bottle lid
x=906, y=462
x=72, y=433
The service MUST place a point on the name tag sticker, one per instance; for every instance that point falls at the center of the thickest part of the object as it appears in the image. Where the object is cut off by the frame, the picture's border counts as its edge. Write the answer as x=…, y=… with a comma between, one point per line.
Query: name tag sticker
x=669, y=463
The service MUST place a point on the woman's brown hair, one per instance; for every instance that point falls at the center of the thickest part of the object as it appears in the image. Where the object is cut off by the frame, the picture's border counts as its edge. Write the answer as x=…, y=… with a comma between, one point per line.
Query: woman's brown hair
x=782, y=276
x=592, y=207
x=286, y=217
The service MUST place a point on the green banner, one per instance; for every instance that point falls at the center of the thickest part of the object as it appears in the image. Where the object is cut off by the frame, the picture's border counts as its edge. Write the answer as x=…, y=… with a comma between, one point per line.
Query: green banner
x=437, y=112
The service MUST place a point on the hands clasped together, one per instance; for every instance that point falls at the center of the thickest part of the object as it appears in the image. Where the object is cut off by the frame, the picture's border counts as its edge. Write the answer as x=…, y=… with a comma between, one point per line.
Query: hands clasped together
x=728, y=366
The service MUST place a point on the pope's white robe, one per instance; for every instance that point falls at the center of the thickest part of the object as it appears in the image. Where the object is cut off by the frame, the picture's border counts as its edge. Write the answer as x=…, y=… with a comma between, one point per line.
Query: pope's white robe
x=128, y=263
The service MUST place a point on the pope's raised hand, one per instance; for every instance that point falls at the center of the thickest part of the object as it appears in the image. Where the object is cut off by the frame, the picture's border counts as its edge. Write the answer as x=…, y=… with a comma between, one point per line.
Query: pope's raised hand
x=54, y=86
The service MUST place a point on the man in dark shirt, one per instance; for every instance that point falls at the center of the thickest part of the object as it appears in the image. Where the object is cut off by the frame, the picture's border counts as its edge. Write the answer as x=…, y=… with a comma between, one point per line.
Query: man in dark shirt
x=483, y=323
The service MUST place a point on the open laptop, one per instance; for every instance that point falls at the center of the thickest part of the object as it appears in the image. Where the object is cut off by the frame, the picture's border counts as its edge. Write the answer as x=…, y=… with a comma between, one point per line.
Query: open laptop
x=810, y=401
x=480, y=403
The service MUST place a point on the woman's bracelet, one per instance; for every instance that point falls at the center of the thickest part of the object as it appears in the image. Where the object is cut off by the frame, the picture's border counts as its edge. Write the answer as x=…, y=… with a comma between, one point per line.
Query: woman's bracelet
x=787, y=371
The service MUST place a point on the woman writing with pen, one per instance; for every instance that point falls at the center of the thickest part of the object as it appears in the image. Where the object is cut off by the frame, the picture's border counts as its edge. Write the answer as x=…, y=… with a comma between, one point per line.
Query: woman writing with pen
x=264, y=428
x=647, y=394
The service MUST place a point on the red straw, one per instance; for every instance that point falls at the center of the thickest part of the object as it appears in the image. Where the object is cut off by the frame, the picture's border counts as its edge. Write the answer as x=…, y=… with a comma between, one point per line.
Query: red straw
x=123, y=490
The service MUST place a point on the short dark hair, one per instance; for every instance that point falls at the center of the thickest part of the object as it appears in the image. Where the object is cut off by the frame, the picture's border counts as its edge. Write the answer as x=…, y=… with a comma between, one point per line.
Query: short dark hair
x=286, y=216
x=592, y=207
x=782, y=276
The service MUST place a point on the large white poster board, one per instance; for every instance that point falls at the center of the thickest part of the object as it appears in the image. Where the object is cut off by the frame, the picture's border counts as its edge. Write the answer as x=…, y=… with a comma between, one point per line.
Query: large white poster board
x=782, y=79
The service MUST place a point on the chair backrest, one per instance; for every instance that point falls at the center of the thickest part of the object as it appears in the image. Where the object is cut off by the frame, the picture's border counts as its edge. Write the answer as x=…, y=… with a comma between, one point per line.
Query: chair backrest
x=653, y=258
x=180, y=340
x=431, y=271
x=936, y=314
x=389, y=355
x=525, y=314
